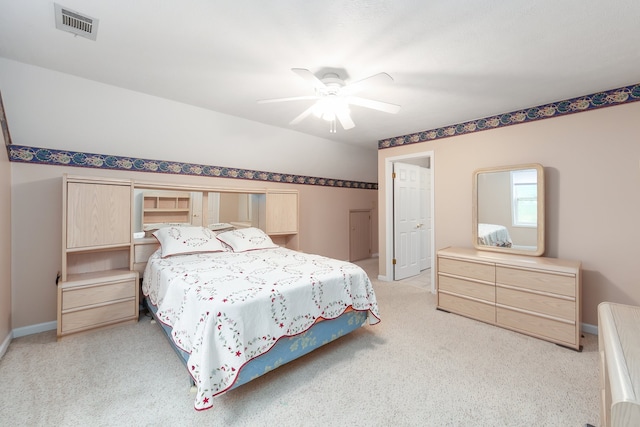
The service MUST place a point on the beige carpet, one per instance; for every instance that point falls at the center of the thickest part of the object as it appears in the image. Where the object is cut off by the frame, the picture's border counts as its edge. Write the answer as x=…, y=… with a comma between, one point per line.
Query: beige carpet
x=418, y=367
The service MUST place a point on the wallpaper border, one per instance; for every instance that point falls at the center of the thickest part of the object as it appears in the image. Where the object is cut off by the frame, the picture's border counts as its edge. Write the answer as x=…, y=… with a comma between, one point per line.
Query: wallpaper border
x=556, y=109
x=48, y=156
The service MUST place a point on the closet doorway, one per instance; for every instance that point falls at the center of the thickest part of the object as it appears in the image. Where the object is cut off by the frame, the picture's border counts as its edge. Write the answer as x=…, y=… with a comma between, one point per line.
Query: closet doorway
x=359, y=234
x=409, y=219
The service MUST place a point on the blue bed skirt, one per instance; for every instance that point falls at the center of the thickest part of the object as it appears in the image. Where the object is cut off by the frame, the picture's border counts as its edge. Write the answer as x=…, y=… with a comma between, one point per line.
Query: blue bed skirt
x=287, y=348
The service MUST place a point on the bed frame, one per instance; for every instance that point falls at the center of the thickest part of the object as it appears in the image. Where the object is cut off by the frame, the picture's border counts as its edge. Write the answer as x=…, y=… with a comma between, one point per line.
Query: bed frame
x=285, y=350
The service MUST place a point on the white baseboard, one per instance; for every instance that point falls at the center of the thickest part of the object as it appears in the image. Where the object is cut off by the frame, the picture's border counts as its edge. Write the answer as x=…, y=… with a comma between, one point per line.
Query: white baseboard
x=384, y=278
x=34, y=329
x=590, y=329
x=5, y=344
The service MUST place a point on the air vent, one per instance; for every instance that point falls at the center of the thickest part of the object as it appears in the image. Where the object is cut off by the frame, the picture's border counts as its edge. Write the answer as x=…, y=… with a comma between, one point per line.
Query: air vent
x=75, y=22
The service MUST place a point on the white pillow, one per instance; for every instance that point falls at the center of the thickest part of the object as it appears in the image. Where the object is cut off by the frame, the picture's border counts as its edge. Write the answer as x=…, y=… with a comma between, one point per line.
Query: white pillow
x=247, y=239
x=187, y=240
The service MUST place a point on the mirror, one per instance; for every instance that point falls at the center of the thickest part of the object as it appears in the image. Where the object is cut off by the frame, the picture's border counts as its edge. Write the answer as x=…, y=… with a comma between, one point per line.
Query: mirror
x=238, y=209
x=508, y=209
x=206, y=208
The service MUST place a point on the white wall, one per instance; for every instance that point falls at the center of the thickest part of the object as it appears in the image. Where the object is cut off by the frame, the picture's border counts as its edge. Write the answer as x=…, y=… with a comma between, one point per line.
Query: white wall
x=5, y=251
x=54, y=110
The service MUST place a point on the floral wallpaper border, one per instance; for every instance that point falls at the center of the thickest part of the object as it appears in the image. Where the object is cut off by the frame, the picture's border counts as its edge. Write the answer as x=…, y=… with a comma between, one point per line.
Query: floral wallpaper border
x=47, y=156
x=575, y=105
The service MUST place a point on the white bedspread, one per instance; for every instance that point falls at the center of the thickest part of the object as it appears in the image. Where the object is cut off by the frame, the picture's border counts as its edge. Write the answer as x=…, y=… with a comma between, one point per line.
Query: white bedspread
x=493, y=235
x=226, y=308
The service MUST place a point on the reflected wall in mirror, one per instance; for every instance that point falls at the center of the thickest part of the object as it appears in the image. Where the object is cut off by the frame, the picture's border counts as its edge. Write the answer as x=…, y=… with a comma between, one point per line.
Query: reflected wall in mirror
x=156, y=206
x=237, y=209
x=508, y=209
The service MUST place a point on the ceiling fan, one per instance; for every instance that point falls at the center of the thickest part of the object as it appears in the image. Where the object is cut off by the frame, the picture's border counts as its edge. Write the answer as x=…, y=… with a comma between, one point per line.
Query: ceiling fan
x=333, y=97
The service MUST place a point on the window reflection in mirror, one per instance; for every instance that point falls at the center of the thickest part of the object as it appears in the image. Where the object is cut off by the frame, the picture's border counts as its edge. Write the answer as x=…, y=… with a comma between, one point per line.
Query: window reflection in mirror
x=524, y=199
x=508, y=209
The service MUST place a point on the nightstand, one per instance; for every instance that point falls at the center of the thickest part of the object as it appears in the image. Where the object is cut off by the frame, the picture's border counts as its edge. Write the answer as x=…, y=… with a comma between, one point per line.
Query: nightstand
x=92, y=300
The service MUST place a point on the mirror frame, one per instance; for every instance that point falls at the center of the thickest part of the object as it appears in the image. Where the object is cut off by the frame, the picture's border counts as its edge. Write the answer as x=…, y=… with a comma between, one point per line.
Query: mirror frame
x=540, y=205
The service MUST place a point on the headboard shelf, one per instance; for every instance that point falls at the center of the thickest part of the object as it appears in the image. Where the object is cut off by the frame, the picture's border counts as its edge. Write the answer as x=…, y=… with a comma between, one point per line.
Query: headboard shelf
x=166, y=206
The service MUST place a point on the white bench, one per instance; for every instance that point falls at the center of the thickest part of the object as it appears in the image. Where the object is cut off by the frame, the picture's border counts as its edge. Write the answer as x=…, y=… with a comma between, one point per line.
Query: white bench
x=619, y=346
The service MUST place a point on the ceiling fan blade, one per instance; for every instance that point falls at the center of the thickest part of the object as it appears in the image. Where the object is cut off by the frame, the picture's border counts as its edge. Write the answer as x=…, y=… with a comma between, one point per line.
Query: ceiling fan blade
x=310, y=77
x=376, y=79
x=293, y=98
x=303, y=115
x=375, y=105
x=345, y=119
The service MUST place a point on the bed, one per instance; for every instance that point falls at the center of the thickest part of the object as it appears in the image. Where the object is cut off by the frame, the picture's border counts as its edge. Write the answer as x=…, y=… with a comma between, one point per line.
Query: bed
x=494, y=235
x=236, y=306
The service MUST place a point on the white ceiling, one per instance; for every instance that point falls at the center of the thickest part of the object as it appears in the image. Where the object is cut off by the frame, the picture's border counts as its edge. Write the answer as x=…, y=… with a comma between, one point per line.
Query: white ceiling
x=451, y=61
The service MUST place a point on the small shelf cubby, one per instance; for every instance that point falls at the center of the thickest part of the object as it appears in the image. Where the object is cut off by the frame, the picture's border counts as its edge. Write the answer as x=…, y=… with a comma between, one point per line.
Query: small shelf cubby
x=166, y=206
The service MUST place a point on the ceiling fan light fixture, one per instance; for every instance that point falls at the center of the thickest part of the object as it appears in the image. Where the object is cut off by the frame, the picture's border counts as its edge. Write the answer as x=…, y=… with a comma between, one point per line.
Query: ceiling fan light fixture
x=333, y=98
x=318, y=109
x=329, y=116
x=330, y=106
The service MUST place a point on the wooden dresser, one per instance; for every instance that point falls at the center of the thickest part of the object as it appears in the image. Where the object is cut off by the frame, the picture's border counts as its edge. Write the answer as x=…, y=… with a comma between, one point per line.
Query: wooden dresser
x=536, y=296
x=619, y=346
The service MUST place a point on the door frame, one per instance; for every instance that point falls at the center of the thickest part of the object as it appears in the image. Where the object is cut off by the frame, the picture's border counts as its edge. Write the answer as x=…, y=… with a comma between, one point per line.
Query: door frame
x=388, y=170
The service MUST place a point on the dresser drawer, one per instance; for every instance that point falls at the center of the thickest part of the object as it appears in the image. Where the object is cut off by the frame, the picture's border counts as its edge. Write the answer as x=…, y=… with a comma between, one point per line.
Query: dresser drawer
x=472, y=270
x=465, y=287
x=98, y=316
x=537, y=280
x=82, y=296
x=557, y=307
x=467, y=307
x=554, y=330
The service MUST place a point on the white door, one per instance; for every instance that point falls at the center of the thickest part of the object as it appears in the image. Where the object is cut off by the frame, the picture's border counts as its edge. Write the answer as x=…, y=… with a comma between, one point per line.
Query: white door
x=424, y=225
x=406, y=215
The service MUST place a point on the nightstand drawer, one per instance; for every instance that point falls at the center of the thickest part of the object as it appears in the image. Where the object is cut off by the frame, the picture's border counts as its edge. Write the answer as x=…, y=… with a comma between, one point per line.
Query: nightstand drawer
x=99, y=316
x=142, y=252
x=96, y=299
x=82, y=296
